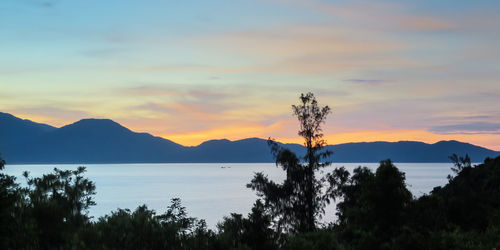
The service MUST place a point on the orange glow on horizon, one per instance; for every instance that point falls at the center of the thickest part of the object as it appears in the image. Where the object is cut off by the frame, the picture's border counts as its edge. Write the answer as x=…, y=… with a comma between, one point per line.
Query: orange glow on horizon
x=278, y=131
x=194, y=139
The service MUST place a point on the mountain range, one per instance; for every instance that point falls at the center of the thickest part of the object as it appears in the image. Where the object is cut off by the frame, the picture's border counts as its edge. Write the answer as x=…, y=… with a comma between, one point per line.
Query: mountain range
x=105, y=141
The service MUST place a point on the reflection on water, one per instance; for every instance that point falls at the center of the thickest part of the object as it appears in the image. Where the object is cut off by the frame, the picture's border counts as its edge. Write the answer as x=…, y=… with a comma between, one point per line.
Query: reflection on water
x=208, y=190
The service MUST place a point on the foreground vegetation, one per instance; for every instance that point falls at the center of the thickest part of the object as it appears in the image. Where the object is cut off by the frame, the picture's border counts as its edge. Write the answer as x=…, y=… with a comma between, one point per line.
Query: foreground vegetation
x=375, y=210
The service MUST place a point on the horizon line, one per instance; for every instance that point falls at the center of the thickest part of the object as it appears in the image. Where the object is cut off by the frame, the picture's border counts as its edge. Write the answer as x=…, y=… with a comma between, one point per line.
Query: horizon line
x=284, y=140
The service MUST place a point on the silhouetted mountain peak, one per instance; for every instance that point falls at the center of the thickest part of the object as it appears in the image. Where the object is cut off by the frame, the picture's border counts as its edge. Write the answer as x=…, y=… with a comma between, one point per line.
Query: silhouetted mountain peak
x=251, y=139
x=450, y=142
x=103, y=125
x=106, y=141
x=214, y=142
x=96, y=122
x=226, y=142
x=7, y=115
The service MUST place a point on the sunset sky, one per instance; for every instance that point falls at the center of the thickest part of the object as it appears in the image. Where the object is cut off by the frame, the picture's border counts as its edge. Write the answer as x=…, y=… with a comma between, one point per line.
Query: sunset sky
x=192, y=71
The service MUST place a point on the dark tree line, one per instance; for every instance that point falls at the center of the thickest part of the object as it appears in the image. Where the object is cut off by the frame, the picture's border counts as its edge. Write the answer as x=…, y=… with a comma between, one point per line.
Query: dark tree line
x=375, y=210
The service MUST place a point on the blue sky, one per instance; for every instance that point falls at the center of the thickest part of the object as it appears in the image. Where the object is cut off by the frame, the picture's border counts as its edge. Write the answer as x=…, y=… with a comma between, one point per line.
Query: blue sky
x=197, y=70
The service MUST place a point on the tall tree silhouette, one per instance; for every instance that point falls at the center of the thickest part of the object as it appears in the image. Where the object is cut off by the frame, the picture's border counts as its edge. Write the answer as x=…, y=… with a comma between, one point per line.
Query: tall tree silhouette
x=297, y=203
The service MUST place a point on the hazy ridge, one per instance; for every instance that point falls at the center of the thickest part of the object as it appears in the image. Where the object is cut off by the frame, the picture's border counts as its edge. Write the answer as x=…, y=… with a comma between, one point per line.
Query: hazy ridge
x=105, y=141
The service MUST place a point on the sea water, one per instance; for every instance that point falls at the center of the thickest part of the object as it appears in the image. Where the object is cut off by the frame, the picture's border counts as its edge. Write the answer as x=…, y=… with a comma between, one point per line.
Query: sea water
x=209, y=191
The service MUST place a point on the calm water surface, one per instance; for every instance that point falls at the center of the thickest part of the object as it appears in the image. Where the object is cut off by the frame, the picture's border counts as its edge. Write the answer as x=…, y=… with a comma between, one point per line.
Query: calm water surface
x=208, y=190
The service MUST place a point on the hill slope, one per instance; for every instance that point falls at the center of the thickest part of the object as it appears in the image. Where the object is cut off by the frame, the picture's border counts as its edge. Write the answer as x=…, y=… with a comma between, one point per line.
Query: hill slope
x=407, y=151
x=94, y=141
x=16, y=132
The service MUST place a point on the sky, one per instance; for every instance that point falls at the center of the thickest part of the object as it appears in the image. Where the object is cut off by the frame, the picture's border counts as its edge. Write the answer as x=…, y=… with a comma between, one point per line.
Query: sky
x=192, y=71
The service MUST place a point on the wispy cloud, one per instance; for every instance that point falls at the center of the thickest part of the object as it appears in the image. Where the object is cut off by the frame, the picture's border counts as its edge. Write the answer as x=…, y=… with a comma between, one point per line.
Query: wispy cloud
x=179, y=94
x=103, y=53
x=155, y=108
x=53, y=112
x=382, y=66
x=310, y=49
x=43, y=3
x=150, y=90
x=386, y=16
x=159, y=68
x=468, y=128
x=366, y=81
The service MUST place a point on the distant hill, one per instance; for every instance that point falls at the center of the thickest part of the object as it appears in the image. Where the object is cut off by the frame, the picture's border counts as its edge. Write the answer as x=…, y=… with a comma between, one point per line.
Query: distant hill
x=14, y=130
x=99, y=140
x=408, y=151
x=105, y=141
